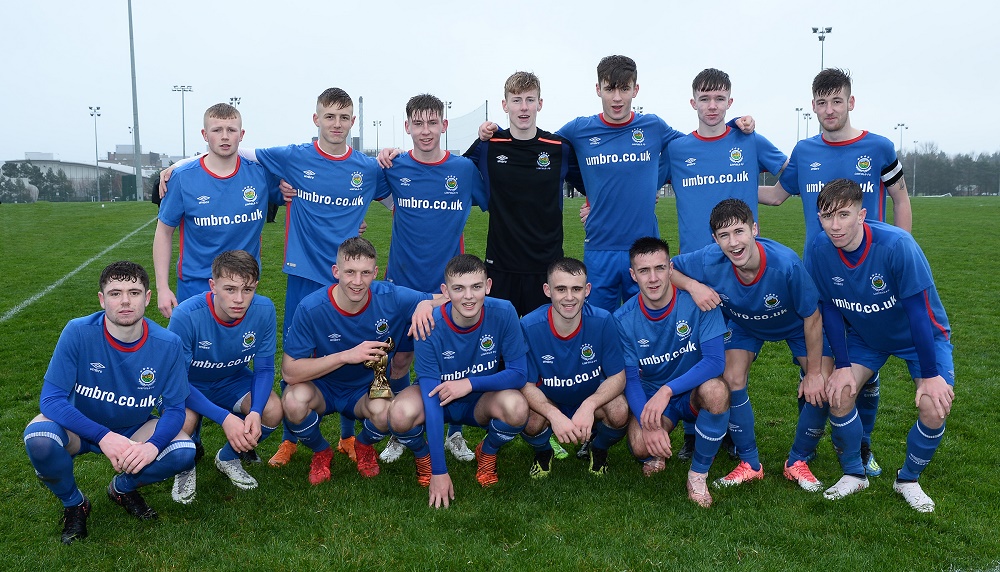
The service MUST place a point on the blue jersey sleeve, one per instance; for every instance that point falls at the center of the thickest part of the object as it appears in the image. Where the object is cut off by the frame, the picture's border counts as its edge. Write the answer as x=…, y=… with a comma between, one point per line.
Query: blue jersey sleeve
x=614, y=357
x=54, y=404
x=263, y=382
x=711, y=364
x=801, y=285
x=790, y=177
x=922, y=333
x=428, y=377
x=769, y=157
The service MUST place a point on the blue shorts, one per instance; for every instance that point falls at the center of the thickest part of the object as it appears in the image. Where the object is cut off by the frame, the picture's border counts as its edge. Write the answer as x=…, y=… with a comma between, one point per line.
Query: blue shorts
x=463, y=410
x=678, y=409
x=229, y=392
x=296, y=289
x=404, y=345
x=191, y=287
x=738, y=338
x=608, y=272
x=92, y=447
x=341, y=399
x=873, y=359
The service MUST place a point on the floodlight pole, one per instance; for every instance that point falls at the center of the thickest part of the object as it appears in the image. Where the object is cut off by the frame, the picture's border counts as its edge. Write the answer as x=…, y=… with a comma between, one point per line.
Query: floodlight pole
x=807, y=117
x=822, y=32
x=95, y=112
x=901, y=127
x=183, y=89
x=798, y=122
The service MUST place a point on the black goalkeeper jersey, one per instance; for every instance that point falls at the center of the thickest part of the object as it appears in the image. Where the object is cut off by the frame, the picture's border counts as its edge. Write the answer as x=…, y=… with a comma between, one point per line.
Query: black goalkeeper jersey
x=524, y=180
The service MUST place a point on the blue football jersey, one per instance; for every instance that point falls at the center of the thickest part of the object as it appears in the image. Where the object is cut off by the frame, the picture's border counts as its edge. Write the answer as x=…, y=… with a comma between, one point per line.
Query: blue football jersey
x=622, y=170
x=704, y=171
x=113, y=384
x=773, y=306
x=869, y=293
x=320, y=327
x=433, y=201
x=216, y=214
x=216, y=350
x=667, y=347
x=331, y=198
x=869, y=160
x=569, y=370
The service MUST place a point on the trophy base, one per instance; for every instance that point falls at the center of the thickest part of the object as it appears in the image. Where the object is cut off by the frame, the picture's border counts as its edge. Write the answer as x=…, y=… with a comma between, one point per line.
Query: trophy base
x=380, y=393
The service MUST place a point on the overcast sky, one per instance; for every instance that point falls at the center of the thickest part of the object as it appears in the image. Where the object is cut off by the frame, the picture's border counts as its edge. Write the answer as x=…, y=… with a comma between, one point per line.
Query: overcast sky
x=930, y=65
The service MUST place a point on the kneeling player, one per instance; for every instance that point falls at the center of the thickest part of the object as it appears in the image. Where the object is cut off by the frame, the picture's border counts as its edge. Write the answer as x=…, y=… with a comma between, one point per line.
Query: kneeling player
x=458, y=370
x=223, y=330
x=767, y=295
x=577, y=371
x=879, y=299
x=680, y=351
x=107, y=374
x=334, y=332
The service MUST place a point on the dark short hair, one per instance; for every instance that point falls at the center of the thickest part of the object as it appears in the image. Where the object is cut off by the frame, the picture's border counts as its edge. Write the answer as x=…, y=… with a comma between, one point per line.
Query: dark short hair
x=567, y=265
x=618, y=71
x=424, y=102
x=828, y=81
x=334, y=96
x=354, y=248
x=125, y=271
x=520, y=82
x=238, y=264
x=711, y=79
x=730, y=211
x=837, y=194
x=648, y=245
x=464, y=264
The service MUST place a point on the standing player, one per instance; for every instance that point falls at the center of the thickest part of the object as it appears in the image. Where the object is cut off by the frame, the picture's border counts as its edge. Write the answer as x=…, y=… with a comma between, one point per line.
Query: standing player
x=576, y=371
x=218, y=201
x=108, y=373
x=879, y=299
x=767, y=295
x=523, y=168
x=459, y=377
x=622, y=158
x=336, y=330
x=433, y=192
x=679, y=349
x=842, y=151
x=222, y=331
x=715, y=162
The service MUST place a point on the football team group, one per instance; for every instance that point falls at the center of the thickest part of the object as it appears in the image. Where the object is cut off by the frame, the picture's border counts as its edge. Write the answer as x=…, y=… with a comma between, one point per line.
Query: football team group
x=627, y=343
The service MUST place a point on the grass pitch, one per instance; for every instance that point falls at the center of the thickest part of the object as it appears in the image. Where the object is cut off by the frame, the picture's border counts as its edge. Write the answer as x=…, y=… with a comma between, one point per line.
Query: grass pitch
x=571, y=521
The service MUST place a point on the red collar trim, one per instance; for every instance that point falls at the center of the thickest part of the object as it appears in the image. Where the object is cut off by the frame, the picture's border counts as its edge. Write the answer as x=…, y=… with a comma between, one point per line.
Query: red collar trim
x=342, y=311
x=326, y=155
x=552, y=326
x=666, y=312
x=118, y=345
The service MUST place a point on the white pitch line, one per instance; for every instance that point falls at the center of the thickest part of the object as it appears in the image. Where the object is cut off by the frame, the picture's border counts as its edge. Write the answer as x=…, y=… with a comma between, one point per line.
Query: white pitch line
x=17, y=309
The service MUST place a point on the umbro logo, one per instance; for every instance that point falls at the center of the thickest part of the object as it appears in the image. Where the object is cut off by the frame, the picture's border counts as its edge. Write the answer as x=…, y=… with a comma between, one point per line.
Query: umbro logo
x=448, y=354
x=309, y=174
x=690, y=161
x=97, y=367
x=547, y=358
x=837, y=280
x=405, y=182
x=595, y=140
x=502, y=159
x=643, y=343
x=204, y=345
x=334, y=337
x=203, y=200
x=815, y=166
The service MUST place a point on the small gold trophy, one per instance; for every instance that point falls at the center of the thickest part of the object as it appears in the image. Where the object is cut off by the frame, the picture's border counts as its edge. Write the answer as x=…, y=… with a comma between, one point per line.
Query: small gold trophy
x=380, y=388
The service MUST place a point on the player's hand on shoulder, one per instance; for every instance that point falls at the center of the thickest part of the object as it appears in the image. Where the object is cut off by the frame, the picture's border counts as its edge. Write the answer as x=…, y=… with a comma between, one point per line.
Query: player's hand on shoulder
x=487, y=129
x=287, y=191
x=363, y=227
x=940, y=394
x=746, y=124
x=164, y=177
x=386, y=155
x=166, y=302
x=448, y=391
x=442, y=491
x=422, y=321
x=705, y=297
